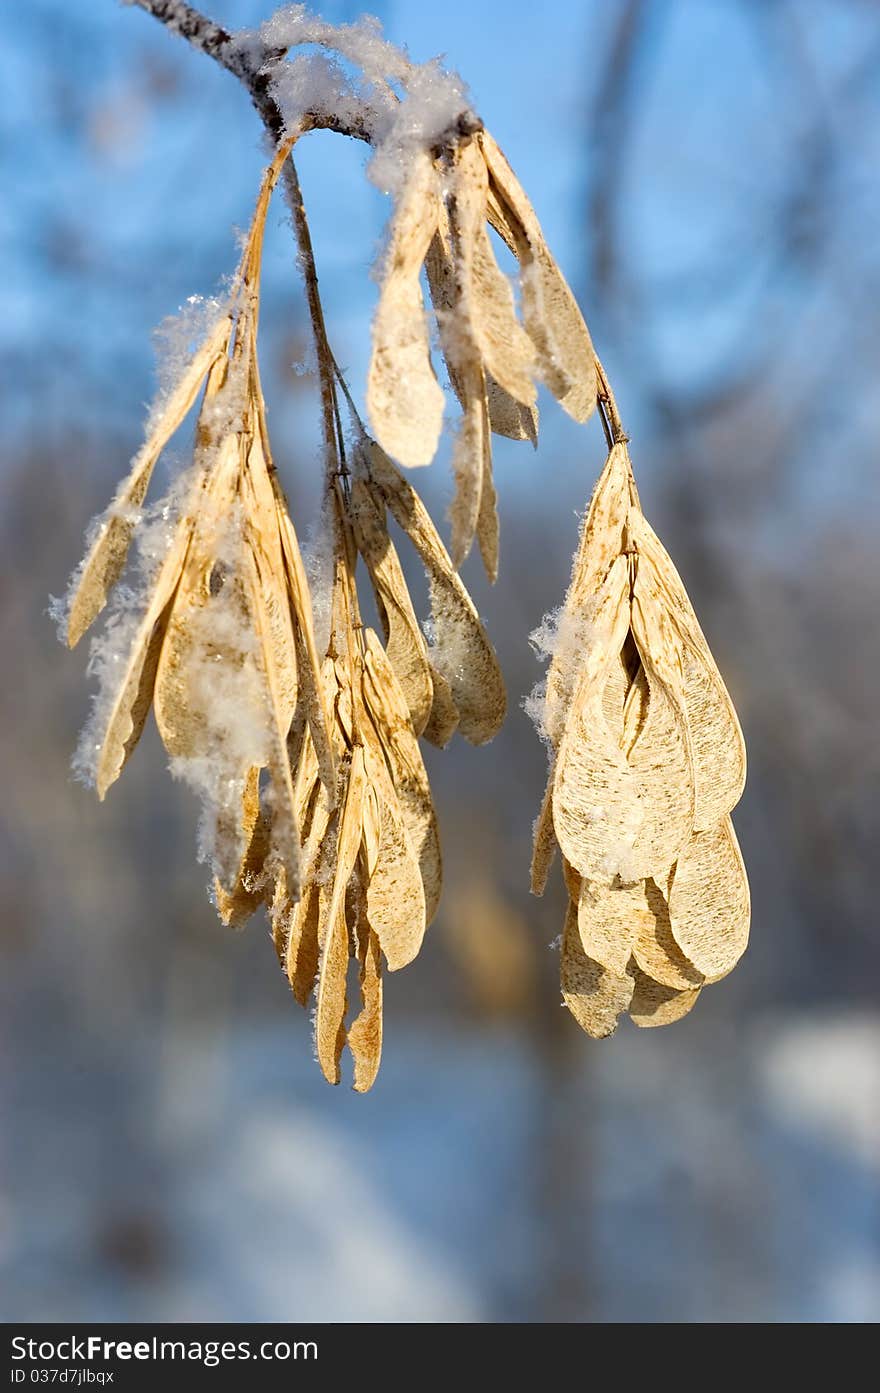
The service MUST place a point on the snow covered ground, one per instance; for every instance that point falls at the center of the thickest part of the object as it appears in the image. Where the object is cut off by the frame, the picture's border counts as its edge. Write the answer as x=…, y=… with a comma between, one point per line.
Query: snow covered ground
x=704, y=1179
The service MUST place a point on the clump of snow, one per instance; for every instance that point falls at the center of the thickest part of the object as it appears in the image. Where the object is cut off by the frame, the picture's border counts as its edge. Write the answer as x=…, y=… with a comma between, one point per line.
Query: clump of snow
x=224, y=692
x=318, y=553
x=110, y=648
x=307, y=365
x=313, y=84
x=562, y=637
x=368, y=83
x=435, y=105
x=176, y=339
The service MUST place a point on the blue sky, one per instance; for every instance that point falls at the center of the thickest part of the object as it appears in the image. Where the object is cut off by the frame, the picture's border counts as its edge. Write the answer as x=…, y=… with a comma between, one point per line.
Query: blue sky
x=137, y=159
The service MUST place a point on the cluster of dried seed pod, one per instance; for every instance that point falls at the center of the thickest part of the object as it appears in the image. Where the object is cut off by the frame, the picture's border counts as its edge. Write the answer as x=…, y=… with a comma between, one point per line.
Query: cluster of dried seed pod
x=306, y=754
x=371, y=853
x=441, y=221
x=223, y=646
x=647, y=763
x=316, y=799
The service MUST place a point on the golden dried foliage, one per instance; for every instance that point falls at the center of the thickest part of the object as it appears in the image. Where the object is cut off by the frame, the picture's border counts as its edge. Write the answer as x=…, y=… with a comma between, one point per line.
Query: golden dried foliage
x=316, y=800
x=441, y=221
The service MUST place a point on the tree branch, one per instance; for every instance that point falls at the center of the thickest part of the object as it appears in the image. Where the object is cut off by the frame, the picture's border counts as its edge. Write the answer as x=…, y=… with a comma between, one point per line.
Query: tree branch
x=252, y=66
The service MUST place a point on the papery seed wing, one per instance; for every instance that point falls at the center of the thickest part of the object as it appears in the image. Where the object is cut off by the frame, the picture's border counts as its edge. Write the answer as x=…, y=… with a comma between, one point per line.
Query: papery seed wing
x=196, y=639
x=443, y=283
x=332, y=1002
x=610, y=921
x=404, y=399
x=709, y=903
x=507, y=351
x=298, y=921
x=654, y=1004
x=487, y=518
x=544, y=838
x=624, y=812
x=593, y=995
x=471, y=458
x=597, y=809
x=241, y=898
x=602, y=531
x=306, y=647
x=656, y=951
x=462, y=653
x=365, y=1031
x=601, y=543
x=443, y=720
x=508, y=417
x=395, y=896
x=451, y=273
x=105, y=560
x=486, y=296
x=718, y=748
x=275, y=645
x=333, y=930
x=135, y=688
x=553, y=321
x=386, y=705
x=406, y=648
x=661, y=754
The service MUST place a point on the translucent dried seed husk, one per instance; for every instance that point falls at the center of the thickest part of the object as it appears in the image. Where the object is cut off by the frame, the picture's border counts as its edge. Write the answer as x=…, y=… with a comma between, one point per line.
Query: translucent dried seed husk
x=717, y=744
x=486, y=296
x=508, y=417
x=309, y=664
x=653, y=1004
x=135, y=690
x=610, y=920
x=279, y=672
x=394, y=894
x=618, y=815
x=295, y=922
x=480, y=333
x=365, y=1031
x=656, y=951
x=470, y=460
x=237, y=901
x=573, y=882
x=709, y=905
x=106, y=557
x=332, y=929
x=405, y=645
x=487, y=520
x=302, y=954
x=183, y=712
x=462, y=652
x=553, y=321
x=404, y=399
x=600, y=546
x=443, y=720
x=594, y=996
x=332, y=1002
x=453, y=244
x=385, y=704
x=597, y=796
x=544, y=838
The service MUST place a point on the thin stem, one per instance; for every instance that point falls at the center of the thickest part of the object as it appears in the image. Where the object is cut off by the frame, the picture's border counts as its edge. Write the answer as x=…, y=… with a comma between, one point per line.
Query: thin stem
x=611, y=422
x=293, y=190
x=253, y=67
